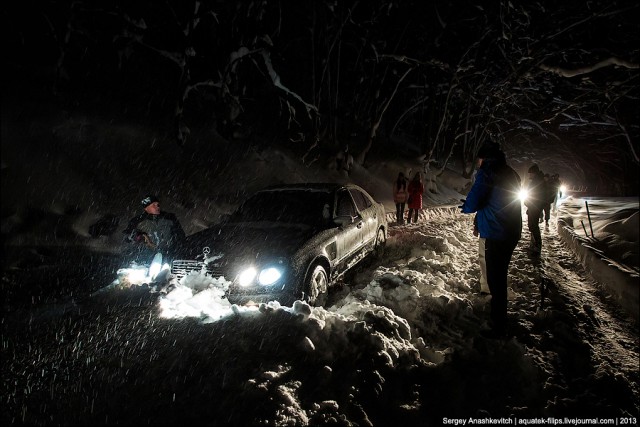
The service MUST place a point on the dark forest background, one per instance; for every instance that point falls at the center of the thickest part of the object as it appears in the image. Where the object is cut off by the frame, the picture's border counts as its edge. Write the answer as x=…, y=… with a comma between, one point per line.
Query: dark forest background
x=432, y=78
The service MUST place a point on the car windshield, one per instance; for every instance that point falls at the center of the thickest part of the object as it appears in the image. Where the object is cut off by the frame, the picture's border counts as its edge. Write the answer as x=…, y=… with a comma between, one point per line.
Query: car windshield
x=288, y=206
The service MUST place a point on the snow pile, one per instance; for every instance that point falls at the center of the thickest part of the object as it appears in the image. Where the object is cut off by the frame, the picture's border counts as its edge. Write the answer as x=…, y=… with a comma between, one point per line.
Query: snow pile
x=399, y=344
x=604, y=234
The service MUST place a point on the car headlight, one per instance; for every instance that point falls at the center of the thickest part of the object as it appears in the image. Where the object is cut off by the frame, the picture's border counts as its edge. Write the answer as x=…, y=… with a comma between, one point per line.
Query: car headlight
x=246, y=277
x=265, y=277
x=269, y=276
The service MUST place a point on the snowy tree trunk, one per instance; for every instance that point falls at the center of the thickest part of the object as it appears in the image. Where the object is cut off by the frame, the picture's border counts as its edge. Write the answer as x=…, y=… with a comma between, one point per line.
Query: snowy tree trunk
x=376, y=124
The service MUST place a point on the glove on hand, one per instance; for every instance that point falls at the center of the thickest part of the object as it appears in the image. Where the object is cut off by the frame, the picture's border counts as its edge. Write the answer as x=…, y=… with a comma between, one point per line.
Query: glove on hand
x=138, y=236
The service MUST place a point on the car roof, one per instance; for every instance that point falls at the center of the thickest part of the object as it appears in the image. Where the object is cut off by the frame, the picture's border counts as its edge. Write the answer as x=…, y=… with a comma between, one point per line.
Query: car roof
x=314, y=186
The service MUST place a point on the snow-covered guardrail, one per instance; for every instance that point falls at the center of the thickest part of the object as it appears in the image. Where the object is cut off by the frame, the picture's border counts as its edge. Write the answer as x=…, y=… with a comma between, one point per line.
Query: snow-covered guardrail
x=623, y=283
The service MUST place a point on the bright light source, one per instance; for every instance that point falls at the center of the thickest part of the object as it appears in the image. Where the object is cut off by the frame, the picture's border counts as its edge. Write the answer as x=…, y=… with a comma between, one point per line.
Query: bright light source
x=246, y=277
x=133, y=275
x=154, y=269
x=523, y=194
x=269, y=276
x=563, y=189
x=156, y=266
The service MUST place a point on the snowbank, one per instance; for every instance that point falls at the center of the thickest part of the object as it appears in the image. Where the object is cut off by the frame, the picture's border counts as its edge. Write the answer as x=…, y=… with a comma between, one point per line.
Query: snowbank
x=605, y=239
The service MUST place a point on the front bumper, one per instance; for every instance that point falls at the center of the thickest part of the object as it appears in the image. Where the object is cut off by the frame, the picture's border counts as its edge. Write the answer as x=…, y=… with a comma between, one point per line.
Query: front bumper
x=253, y=295
x=236, y=294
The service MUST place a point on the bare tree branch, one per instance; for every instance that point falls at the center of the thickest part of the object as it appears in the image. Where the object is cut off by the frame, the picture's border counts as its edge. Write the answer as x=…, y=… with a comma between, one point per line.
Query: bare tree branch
x=564, y=72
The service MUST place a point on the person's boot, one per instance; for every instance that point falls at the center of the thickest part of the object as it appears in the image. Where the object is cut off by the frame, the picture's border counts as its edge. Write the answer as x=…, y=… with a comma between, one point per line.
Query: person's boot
x=535, y=246
x=538, y=247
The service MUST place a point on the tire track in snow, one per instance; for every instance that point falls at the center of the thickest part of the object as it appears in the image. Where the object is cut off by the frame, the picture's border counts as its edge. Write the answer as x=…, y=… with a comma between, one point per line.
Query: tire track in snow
x=574, y=329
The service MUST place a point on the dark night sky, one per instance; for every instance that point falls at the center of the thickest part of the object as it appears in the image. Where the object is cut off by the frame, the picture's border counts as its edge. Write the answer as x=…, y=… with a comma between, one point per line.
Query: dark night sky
x=475, y=72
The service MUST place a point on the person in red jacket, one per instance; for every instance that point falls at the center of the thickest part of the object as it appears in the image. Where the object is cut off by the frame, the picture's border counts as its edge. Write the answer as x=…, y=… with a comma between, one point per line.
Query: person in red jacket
x=415, y=190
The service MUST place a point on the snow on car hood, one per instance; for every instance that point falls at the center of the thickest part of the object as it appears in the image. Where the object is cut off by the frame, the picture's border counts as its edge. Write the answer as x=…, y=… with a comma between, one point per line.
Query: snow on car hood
x=251, y=239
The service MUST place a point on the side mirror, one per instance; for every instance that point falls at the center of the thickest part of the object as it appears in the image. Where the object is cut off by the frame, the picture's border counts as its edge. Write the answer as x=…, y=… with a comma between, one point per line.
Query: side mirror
x=326, y=212
x=343, y=220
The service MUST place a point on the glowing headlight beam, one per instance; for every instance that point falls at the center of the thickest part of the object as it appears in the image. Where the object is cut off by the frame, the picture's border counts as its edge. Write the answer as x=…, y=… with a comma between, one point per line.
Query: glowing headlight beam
x=269, y=276
x=133, y=275
x=154, y=270
x=247, y=276
x=156, y=266
x=136, y=275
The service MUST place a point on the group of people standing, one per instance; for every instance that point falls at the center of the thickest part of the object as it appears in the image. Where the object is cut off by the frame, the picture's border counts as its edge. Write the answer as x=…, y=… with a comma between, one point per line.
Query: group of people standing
x=408, y=193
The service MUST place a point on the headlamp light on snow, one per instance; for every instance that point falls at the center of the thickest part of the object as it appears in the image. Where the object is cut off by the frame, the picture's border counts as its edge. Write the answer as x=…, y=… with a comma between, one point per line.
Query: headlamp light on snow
x=140, y=274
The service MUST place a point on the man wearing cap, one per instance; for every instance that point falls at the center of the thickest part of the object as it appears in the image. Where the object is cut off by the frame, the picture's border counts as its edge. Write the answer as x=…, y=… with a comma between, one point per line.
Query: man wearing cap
x=153, y=231
x=494, y=199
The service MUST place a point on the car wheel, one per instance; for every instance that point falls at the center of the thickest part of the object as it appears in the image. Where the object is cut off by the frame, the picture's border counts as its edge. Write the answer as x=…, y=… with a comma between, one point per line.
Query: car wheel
x=316, y=286
x=379, y=245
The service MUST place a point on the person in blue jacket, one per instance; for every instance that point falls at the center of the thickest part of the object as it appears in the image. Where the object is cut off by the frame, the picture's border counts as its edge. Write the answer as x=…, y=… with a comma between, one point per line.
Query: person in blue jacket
x=494, y=199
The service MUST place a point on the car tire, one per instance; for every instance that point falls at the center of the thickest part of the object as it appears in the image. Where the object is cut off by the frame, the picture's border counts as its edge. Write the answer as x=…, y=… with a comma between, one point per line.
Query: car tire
x=316, y=286
x=380, y=244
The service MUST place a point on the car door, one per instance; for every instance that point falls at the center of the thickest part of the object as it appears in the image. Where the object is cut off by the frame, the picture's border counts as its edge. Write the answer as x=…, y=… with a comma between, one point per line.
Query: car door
x=368, y=212
x=351, y=236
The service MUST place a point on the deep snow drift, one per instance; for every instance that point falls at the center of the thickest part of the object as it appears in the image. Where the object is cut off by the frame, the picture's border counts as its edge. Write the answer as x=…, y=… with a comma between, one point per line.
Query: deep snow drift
x=398, y=344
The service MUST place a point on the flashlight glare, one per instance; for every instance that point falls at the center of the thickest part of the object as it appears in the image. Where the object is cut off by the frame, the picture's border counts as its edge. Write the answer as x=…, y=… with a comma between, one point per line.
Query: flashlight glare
x=523, y=194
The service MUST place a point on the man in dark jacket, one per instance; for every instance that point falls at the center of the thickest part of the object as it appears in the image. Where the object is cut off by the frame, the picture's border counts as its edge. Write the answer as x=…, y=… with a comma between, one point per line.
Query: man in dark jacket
x=549, y=195
x=494, y=197
x=153, y=231
x=535, y=203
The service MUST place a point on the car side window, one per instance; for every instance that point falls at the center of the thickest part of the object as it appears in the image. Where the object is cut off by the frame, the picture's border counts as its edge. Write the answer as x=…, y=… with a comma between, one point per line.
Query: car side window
x=362, y=201
x=345, y=206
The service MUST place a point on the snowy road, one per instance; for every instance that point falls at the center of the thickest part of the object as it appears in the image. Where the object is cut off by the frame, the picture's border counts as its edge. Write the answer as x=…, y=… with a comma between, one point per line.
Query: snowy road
x=399, y=345
x=578, y=338
x=599, y=322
